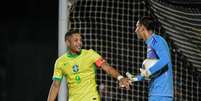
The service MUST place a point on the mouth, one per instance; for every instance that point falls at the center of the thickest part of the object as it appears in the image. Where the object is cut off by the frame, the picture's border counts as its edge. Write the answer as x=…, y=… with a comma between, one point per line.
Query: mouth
x=78, y=48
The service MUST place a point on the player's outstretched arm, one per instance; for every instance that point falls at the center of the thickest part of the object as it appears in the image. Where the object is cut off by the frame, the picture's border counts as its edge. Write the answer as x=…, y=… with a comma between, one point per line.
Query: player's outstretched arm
x=54, y=90
x=123, y=82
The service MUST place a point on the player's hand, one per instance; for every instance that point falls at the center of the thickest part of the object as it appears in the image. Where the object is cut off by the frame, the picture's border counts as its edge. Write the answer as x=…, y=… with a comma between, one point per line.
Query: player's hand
x=125, y=83
x=144, y=73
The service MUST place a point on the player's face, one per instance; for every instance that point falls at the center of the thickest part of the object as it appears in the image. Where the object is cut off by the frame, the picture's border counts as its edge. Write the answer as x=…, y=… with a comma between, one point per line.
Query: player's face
x=74, y=43
x=139, y=30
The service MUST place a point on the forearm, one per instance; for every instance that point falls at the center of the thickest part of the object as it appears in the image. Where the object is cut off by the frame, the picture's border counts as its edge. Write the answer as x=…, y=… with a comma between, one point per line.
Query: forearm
x=162, y=51
x=110, y=70
x=123, y=82
x=53, y=92
x=163, y=60
x=113, y=72
x=134, y=78
x=139, y=77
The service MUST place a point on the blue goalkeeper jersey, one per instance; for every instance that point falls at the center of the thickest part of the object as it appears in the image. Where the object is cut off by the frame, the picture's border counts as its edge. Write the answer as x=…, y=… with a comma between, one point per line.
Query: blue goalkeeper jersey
x=161, y=83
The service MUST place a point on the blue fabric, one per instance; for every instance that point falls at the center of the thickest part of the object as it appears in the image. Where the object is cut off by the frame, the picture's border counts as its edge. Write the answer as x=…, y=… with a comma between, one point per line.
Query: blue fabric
x=139, y=77
x=162, y=83
x=160, y=98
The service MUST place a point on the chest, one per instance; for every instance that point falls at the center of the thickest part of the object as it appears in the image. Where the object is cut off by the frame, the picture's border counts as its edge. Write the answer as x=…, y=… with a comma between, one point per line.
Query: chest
x=80, y=65
x=151, y=53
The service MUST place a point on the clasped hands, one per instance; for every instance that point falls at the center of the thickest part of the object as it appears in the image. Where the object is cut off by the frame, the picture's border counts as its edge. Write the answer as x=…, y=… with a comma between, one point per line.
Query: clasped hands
x=125, y=83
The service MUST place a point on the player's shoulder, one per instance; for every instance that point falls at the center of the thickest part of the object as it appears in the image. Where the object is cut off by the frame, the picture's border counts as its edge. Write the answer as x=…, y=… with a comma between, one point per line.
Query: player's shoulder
x=61, y=58
x=157, y=39
x=88, y=50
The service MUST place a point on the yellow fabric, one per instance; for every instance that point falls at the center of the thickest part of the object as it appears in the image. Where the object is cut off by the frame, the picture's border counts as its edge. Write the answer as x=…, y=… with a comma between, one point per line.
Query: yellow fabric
x=80, y=74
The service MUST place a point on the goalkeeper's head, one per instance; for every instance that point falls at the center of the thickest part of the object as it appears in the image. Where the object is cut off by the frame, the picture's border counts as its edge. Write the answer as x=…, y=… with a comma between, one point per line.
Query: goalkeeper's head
x=145, y=27
x=73, y=41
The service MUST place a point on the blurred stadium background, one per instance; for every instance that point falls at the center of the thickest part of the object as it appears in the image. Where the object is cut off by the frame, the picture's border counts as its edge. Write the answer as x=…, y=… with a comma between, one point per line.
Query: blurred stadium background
x=30, y=47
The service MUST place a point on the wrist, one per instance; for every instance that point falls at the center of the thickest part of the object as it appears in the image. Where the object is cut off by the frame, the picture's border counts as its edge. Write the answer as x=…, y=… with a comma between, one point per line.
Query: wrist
x=120, y=77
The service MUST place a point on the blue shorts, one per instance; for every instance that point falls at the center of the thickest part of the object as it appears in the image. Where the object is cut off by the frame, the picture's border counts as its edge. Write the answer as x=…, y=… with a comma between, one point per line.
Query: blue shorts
x=160, y=98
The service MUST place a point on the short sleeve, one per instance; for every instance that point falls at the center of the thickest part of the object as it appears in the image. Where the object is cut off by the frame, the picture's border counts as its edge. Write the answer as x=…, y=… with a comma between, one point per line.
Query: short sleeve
x=58, y=74
x=95, y=56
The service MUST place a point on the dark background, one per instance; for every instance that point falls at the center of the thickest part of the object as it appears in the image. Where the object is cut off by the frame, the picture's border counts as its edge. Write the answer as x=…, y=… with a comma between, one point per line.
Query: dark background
x=28, y=39
x=28, y=47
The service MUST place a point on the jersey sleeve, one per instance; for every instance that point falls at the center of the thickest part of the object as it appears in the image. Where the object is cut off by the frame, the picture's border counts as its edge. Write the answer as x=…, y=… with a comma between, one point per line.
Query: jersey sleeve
x=96, y=58
x=162, y=51
x=58, y=74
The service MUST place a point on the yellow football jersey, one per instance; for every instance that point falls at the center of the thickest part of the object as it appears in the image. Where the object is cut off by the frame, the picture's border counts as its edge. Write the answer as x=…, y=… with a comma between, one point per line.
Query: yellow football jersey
x=80, y=72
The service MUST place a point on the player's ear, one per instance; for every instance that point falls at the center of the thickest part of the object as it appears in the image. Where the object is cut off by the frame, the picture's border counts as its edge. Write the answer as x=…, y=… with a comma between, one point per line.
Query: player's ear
x=143, y=27
x=67, y=42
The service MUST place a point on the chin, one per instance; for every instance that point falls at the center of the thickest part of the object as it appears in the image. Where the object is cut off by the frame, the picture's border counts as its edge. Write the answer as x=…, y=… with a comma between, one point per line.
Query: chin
x=78, y=51
x=139, y=37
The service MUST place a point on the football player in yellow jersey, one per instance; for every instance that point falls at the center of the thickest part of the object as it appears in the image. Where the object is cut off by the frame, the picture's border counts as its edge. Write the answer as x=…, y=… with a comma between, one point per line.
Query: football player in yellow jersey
x=78, y=66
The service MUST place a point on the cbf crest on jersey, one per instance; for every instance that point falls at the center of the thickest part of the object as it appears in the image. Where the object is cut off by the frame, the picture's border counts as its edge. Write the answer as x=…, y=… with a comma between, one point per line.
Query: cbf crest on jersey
x=75, y=68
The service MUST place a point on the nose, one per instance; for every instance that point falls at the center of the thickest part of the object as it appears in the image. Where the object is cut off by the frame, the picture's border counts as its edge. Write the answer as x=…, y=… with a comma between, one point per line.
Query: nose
x=136, y=30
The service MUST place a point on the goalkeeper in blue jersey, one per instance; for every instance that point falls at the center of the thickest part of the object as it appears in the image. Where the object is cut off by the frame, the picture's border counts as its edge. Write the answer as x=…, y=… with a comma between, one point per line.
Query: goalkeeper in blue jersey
x=160, y=74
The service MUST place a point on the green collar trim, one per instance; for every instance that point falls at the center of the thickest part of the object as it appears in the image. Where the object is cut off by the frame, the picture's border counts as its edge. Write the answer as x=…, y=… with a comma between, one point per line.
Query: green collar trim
x=70, y=55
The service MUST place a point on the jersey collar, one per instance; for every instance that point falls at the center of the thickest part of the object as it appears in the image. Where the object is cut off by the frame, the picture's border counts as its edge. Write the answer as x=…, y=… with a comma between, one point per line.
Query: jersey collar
x=149, y=39
x=72, y=55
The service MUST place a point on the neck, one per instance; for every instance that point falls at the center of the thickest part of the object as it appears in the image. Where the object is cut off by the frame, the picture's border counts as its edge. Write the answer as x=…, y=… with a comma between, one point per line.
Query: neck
x=72, y=52
x=147, y=35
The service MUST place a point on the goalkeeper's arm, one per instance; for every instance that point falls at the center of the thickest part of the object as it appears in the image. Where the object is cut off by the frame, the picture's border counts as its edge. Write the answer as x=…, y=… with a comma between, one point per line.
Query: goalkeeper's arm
x=163, y=58
x=134, y=78
x=144, y=75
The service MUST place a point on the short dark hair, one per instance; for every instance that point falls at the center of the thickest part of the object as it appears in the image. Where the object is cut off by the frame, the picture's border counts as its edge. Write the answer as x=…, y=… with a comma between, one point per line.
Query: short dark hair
x=149, y=22
x=70, y=32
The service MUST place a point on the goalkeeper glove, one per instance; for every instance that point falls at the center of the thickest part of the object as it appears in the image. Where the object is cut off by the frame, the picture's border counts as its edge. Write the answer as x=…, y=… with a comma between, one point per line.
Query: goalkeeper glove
x=145, y=73
x=134, y=78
